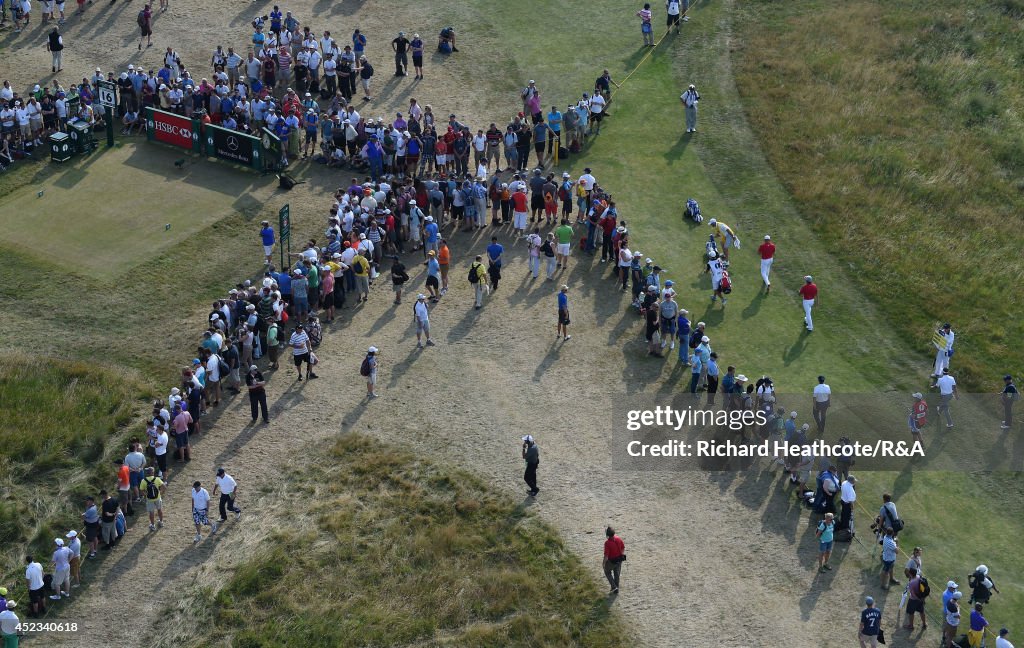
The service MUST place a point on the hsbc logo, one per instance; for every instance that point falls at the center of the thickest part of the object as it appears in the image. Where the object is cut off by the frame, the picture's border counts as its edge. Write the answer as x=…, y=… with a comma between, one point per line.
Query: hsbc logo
x=171, y=129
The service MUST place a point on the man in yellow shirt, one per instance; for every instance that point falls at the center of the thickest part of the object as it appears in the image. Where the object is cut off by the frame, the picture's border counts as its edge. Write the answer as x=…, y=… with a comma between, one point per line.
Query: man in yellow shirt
x=361, y=268
x=726, y=237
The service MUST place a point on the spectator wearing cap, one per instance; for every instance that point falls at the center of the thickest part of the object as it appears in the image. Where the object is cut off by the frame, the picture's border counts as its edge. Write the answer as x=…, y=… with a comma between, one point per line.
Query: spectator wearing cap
x=825, y=534
x=1001, y=640
x=951, y=623
x=300, y=293
x=918, y=416
x=870, y=624
x=302, y=351
x=61, y=561
x=10, y=625
x=979, y=624
x=400, y=45
x=890, y=548
x=689, y=100
x=371, y=364
x=809, y=294
x=421, y=317
x=1009, y=395
x=531, y=455
x=256, y=385
x=563, y=313
x=74, y=543
x=433, y=276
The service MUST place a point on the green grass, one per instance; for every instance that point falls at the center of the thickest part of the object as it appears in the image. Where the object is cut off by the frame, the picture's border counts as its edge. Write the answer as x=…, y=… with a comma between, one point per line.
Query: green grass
x=59, y=431
x=105, y=230
x=897, y=129
x=394, y=550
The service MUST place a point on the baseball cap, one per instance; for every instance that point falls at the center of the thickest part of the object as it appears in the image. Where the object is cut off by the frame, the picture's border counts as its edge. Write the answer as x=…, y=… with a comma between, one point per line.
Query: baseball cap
x=958, y=595
x=741, y=378
x=917, y=395
x=952, y=584
x=792, y=415
x=58, y=541
x=767, y=238
x=529, y=438
x=705, y=339
x=253, y=367
x=372, y=349
x=867, y=600
x=421, y=296
x=71, y=534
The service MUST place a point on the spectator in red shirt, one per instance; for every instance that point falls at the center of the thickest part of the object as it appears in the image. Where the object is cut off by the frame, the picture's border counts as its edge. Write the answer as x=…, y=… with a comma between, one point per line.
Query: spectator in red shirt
x=767, y=251
x=809, y=292
x=614, y=556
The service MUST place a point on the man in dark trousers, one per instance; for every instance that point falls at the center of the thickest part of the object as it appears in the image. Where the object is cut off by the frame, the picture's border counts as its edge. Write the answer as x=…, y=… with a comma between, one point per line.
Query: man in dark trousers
x=531, y=453
x=257, y=393
x=1009, y=396
x=401, y=46
x=614, y=556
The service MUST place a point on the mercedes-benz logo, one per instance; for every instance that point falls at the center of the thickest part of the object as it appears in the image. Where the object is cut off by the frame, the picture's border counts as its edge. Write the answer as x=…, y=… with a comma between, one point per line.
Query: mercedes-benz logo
x=232, y=143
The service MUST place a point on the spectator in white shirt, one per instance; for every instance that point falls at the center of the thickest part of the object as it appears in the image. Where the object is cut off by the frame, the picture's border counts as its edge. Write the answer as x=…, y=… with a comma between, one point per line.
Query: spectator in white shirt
x=1001, y=640
x=947, y=392
x=200, y=506
x=822, y=399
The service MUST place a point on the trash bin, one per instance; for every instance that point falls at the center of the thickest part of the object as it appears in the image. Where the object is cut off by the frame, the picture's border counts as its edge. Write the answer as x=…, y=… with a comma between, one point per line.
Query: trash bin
x=81, y=136
x=60, y=147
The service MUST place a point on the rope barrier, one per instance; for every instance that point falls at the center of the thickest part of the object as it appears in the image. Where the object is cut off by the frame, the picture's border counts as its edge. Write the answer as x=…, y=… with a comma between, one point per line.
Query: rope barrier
x=650, y=51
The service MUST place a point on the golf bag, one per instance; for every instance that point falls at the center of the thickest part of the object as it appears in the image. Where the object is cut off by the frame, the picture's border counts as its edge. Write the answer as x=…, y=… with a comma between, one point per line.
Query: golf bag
x=693, y=211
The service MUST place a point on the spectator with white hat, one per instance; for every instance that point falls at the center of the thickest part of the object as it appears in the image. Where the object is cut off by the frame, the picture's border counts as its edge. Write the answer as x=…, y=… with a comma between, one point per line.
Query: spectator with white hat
x=61, y=570
x=10, y=624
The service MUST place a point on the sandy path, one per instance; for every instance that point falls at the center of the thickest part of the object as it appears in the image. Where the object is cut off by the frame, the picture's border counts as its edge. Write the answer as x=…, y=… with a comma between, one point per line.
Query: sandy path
x=711, y=557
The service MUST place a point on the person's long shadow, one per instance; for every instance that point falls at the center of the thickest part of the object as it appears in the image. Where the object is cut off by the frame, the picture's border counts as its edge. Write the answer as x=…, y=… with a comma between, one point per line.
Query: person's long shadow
x=794, y=350
x=129, y=558
x=461, y=329
x=550, y=358
x=398, y=369
x=754, y=306
x=678, y=149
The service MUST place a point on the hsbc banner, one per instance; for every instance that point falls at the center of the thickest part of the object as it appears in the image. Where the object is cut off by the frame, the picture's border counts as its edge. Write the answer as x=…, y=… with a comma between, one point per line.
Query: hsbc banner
x=172, y=129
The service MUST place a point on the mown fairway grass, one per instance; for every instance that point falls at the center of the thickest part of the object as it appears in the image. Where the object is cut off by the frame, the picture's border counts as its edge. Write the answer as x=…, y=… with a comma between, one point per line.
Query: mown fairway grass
x=897, y=129
x=393, y=550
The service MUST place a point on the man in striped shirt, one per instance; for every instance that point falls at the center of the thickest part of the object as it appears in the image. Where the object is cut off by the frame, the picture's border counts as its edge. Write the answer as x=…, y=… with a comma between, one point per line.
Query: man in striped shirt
x=646, y=28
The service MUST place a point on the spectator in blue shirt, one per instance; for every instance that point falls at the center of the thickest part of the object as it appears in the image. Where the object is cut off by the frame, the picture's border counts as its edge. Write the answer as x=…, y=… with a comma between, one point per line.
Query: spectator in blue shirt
x=494, y=251
x=563, y=313
x=267, y=236
x=870, y=624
